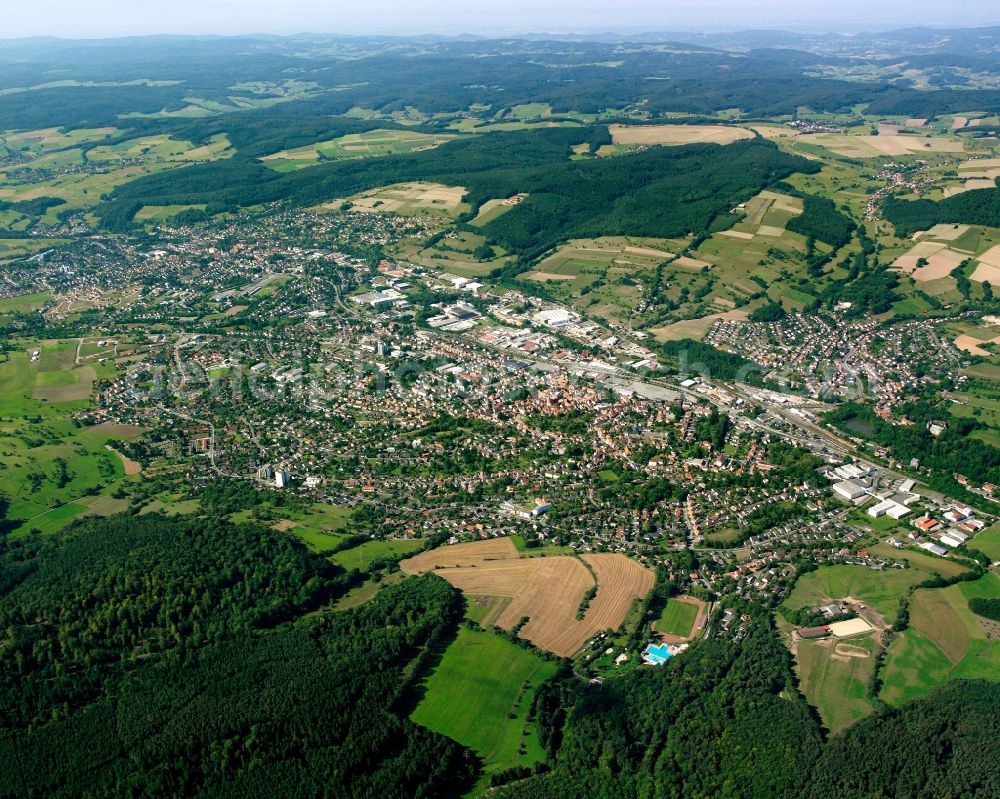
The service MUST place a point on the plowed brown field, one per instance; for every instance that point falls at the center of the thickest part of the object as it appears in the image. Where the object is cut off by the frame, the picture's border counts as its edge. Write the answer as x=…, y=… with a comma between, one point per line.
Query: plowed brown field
x=546, y=590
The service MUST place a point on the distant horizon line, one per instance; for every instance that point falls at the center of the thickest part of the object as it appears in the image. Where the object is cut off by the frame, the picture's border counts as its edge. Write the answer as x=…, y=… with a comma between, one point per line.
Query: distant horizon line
x=805, y=30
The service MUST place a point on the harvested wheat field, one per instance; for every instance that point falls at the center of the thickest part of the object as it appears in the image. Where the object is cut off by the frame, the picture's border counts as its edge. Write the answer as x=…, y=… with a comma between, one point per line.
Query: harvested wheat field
x=546, y=590
x=472, y=553
x=677, y=134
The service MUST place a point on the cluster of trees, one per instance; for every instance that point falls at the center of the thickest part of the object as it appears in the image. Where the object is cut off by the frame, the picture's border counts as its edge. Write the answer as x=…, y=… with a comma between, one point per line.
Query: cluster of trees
x=771, y=312
x=724, y=720
x=821, y=220
x=978, y=207
x=166, y=657
x=988, y=607
x=691, y=357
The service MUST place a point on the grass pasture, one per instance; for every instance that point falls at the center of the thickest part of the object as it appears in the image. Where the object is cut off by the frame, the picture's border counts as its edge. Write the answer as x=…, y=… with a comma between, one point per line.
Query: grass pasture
x=23, y=303
x=945, y=641
x=988, y=542
x=834, y=678
x=354, y=145
x=52, y=469
x=880, y=590
x=363, y=556
x=480, y=695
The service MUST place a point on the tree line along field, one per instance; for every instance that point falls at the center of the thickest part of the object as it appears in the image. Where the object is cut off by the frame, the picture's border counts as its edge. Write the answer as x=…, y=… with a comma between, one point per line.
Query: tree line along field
x=547, y=591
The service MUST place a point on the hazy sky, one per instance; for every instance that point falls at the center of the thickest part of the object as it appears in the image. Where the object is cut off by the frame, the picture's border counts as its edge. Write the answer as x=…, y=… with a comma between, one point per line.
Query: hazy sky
x=89, y=18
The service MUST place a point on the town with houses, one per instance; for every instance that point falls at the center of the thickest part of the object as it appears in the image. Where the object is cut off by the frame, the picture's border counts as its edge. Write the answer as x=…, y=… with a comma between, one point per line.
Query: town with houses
x=356, y=379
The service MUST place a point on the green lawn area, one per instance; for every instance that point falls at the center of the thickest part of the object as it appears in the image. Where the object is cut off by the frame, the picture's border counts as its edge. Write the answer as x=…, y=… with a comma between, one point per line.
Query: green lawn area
x=481, y=680
x=836, y=686
x=988, y=542
x=53, y=470
x=881, y=590
x=922, y=560
x=367, y=590
x=24, y=302
x=361, y=557
x=316, y=540
x=677, y=618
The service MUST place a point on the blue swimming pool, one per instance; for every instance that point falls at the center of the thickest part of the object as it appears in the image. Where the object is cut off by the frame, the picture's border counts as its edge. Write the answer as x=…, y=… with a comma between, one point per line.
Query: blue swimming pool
x=656, y=655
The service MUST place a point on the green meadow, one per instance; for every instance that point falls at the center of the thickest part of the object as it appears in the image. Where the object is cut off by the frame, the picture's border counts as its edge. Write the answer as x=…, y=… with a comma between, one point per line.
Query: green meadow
x=481, y=694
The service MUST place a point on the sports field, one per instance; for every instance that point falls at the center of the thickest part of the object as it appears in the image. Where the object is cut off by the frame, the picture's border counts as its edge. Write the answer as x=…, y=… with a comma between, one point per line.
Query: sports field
x=678, y=618
x=480, y=695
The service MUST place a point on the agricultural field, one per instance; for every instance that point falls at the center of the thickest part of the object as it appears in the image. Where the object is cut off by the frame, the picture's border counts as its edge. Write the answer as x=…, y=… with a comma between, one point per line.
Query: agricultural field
x=354, y=145
x=481, y=694
x=76, y=168
x=410, y=199
x=546, y=590
x=677, y=134
x=944, y=641
x=889, y=144
x=457, y=555
x=679, y=617
x=834, y=677
x=52, y=469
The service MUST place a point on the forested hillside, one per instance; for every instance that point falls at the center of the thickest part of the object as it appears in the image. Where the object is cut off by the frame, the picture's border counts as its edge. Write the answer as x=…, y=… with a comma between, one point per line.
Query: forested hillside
x=152, y=657
x=728, y=722
x=659, y=192
x=977, y=207
x=723, y=722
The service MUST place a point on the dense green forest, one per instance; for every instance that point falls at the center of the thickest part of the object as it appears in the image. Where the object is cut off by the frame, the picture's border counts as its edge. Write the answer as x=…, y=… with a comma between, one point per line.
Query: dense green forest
x=977, y=207
x=659, y=192
x=726, y=721
x=158, y=657
x=821, y=220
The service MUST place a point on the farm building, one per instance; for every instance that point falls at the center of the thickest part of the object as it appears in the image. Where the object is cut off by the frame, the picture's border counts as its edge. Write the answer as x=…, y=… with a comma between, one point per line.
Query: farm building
x=933, y=548
x=813, y=632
